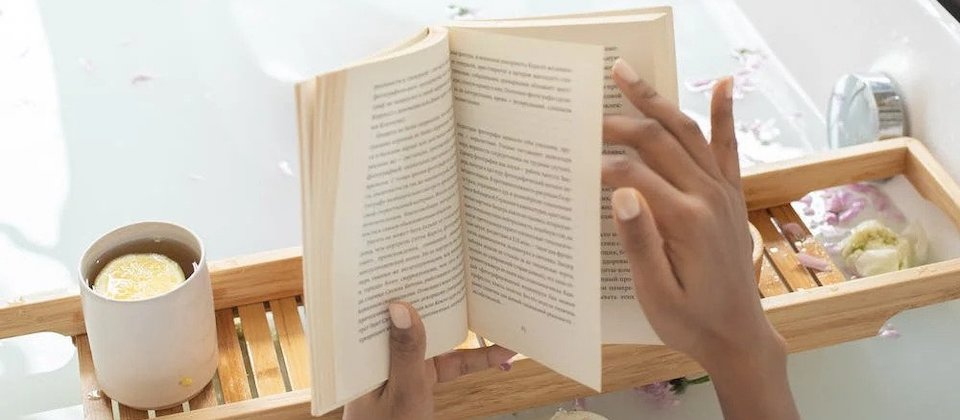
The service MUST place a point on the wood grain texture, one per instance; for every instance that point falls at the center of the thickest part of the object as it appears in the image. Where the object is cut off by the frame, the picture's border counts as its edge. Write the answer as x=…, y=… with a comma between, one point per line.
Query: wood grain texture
x=781, y=253
x=786, y=214
x=263, y=354
x=293, y=342
x=770, y=283
x=59, y=314
x=236, y=281
x=127, y=413
x=932, y=181
x=93, y=409
x=241, y=280
x=206, y=398
x=230, y=370
x=771, y=184
x=169, y=411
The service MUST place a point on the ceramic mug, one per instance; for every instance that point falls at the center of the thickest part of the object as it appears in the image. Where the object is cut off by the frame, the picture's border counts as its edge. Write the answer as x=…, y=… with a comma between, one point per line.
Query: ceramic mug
x=156, y=352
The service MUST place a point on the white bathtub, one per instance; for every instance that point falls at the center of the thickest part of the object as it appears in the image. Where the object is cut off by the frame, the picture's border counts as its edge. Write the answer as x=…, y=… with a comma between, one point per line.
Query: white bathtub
x=68, y=67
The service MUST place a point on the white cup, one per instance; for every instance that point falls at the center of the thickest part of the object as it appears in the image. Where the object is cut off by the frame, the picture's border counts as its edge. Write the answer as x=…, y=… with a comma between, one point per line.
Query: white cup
x=156, y=352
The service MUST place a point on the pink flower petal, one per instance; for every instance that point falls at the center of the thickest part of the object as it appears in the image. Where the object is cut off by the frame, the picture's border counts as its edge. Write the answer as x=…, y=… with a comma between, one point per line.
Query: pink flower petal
x=835, y=204
x=701, y=85
x=830, y=218
x=813, y=262
x=793, y=231
x=140, y=78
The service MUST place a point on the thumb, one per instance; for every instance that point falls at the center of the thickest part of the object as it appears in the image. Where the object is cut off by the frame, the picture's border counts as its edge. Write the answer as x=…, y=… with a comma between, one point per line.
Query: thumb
x=408, y=345
x=653, y=276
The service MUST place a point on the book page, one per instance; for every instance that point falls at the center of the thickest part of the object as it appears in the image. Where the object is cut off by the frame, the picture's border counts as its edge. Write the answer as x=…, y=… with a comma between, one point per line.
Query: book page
x=396, y=231
x=646, y=42
x=528, y=127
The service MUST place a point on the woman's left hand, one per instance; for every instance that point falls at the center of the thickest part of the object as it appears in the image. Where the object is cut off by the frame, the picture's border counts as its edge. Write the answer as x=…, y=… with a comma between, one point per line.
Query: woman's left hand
x=408, y=392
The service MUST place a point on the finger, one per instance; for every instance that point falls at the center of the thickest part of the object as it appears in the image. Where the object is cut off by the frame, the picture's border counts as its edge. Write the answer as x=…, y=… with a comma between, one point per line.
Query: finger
x=650, y=103
x=723, y=138
x=653, y=277
x=407, y=350
x=619, y=171
x=455, y=364
x=656, y=147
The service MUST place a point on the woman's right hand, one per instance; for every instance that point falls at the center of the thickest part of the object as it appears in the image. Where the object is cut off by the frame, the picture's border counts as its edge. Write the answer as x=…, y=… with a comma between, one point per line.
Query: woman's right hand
x=682, y=221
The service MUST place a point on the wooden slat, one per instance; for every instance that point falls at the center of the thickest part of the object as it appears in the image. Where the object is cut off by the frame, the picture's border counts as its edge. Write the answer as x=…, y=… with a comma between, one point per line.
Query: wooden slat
x=240, y=280
x=93, y=409
x=818, y=317
x=206, y=398
x=169, y=411
x=236, y=281
x=127, y=413
x=786, y=214
x=770, y=283
x=233, y=377
x=293, y=342
x=771, y=184
x=263, y=354
x=59, y=314
x=781, y=253
x=932, y=181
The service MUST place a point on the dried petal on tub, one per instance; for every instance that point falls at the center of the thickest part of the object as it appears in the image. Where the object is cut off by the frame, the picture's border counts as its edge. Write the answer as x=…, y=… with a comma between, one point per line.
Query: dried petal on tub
x=85, y=64
x=700, y=85
x=457, y=12
x=749, y=57
x=140, y=79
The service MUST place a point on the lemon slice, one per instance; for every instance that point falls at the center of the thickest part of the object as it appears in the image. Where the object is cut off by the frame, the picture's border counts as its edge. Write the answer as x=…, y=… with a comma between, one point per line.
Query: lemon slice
x=138, y=276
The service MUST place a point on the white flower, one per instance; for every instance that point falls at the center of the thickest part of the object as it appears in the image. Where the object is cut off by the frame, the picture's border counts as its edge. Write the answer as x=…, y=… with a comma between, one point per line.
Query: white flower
x=873, y=248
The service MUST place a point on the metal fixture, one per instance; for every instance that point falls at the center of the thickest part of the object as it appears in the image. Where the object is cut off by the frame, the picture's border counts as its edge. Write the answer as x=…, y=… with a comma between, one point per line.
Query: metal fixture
x=864, y=108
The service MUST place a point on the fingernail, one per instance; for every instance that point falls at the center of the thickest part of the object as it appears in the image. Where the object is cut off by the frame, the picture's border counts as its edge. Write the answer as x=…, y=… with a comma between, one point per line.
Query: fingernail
x=625, y=204
x=506, y=367
x=624, y=71
x=728, y=88
x=399, y=315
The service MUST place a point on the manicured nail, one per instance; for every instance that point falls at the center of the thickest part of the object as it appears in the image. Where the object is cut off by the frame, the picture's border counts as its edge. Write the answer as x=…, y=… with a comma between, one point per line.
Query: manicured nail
x=624, y=71
x=506, y=367
x=728, y=88
x=400, y=316
x=625, y=204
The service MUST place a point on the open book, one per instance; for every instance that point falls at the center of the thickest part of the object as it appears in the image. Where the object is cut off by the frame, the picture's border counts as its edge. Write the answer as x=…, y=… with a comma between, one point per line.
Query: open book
x=460, y=172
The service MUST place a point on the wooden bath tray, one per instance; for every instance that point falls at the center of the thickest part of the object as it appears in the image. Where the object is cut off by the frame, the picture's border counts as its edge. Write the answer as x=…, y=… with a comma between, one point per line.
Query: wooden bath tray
x=263, y=352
